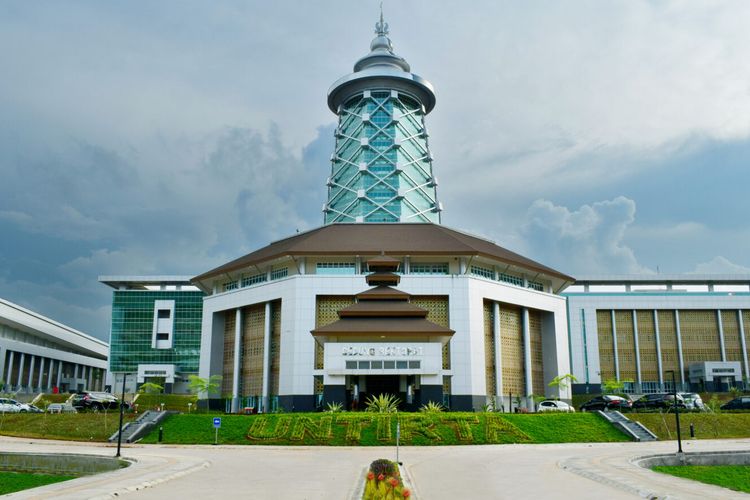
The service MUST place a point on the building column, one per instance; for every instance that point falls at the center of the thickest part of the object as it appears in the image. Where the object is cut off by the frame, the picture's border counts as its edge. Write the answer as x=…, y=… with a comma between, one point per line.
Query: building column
x=59, y=373
x=19, y=379
x=237, y=361
x=10, y=370
x=41, y=374
x=679, y=345
x=614, y=345
x=49, y=374
x=266, y=356
x=527, y=357
x=30, y=385
x=658, y=350
x=498, y=352
x=743, y=343
x=88, y=380
x=721, y=335
x=638, y=380
x=2, y=367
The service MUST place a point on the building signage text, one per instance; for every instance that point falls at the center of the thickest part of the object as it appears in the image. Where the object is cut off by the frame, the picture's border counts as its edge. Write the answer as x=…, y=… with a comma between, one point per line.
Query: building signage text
x=382, y=351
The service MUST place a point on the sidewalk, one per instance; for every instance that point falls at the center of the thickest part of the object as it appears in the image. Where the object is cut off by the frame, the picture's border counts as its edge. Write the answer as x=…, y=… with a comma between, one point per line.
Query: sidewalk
x=579, y=470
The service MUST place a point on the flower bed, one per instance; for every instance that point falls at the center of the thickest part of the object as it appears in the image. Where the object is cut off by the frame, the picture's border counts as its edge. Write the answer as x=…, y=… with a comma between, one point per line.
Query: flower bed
x=384, y=482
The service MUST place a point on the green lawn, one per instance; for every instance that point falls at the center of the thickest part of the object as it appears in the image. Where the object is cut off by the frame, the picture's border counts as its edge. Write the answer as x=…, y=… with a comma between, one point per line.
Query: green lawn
x=17, y=481
x=365, y=429
x=734, y=477
x=707, y=425
x=172, y=402
x=67, y=426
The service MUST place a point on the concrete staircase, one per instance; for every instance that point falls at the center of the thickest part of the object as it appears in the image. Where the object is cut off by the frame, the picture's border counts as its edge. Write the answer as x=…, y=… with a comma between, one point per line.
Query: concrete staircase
x=133, y=431
x=635, y=430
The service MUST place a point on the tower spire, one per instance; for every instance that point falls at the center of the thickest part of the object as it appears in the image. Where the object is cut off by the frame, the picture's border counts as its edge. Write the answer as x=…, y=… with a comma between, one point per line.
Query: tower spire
x=381, y=28
x=381, y=167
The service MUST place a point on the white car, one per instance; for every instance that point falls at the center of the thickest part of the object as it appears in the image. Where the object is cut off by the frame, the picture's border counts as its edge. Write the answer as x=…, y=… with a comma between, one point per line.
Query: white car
x=22, y=407
x=554, y=405
x=9, y=406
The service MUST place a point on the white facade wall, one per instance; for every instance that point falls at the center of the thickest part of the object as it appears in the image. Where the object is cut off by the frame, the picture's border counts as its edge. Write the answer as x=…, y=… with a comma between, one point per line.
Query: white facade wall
x=298, y=310
x=589, y=303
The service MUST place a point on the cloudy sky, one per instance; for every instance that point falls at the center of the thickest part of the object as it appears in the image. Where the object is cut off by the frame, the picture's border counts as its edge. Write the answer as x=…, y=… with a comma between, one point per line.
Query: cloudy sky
x=170, y=137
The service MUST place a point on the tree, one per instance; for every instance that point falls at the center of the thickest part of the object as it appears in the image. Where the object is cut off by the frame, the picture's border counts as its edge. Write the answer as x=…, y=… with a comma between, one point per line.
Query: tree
x=203, y=386
x=562, y=381
x=150, y=388
x=614, y=386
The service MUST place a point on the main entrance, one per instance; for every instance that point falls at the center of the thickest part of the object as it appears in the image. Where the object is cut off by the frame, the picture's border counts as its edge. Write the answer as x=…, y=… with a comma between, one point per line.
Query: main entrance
x=380, y=384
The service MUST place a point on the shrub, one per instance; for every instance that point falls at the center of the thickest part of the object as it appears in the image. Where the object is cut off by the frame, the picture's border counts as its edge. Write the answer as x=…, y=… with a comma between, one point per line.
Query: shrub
x=383, y=403
x=432, y=407
x=335, y=407
x=384, y=482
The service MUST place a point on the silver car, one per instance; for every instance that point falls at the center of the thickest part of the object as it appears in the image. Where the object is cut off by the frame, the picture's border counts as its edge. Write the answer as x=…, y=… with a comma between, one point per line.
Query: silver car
x=692, y=400
x=9, y=406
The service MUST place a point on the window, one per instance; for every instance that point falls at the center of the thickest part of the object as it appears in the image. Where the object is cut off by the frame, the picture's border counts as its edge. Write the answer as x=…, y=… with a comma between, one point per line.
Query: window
x=230, y=285
x=513, y=280
x=535, y=285
x=376, y=365
x=363, y=365
x=414, y=364
x=401, y=365
x=335, y=268
x=389, y=365
x=425, y=268
x=163, y=327
x=484, y=272
x=279, y=273
x=254, y=279
x=351, y=365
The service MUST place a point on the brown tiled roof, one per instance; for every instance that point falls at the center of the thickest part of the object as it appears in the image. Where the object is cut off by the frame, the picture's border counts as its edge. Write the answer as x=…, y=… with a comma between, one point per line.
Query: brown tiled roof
x=382, y=292
x=375, y=239
x=374, y=308
x=384, y=326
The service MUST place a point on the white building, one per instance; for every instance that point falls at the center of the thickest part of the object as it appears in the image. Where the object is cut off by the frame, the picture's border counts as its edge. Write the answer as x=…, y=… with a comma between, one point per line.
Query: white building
x=640, y=328
x=38, y=354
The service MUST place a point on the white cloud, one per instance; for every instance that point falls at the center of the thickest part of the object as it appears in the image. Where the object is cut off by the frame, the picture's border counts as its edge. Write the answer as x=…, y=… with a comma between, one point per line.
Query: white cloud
x=589, y=240
x=720, y=265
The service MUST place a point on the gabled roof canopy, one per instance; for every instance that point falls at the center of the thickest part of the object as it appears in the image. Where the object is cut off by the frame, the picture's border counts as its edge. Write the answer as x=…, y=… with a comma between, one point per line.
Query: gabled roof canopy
x=374, y=239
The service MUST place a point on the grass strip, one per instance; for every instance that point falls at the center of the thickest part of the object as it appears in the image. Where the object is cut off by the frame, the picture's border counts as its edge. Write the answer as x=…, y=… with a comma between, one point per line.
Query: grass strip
x=370, y=429
x=734, y=477
x=95, y=427
x=18, y=481
x=707, y=425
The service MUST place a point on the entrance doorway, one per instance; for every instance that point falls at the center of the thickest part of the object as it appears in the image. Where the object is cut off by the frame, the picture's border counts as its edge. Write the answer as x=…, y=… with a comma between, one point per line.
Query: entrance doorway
x=381, y=384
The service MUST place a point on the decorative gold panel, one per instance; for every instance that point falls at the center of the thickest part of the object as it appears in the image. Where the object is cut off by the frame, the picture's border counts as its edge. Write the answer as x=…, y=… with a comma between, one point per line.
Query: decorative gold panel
x=647, y=346
x=731, y=328
x=446, y=384
x=537, y=359
x=489, y=349
x=437, y=305
x=511, y=342
x=227, y=372
x=327, y=308
x=625, y=344
x=670, y=356
x=251, y=373
x=700, y=336
x=275, y=348
x=606, y=346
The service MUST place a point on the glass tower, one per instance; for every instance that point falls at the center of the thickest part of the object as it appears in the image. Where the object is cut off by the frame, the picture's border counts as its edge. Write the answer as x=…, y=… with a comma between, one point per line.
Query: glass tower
x=381, y=168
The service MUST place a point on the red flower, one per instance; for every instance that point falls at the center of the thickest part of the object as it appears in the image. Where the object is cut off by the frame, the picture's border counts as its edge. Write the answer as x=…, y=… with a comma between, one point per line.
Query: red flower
x=406, y=493
x=381, y=477
x=370, y=476
x=393, y=481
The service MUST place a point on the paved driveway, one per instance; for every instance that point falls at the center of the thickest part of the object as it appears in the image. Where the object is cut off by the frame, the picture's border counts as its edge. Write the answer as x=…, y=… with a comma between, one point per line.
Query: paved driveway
x=491, y=471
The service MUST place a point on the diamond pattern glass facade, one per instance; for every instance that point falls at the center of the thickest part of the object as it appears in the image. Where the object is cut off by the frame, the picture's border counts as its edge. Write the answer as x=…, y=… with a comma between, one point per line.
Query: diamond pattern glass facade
x=132, y=330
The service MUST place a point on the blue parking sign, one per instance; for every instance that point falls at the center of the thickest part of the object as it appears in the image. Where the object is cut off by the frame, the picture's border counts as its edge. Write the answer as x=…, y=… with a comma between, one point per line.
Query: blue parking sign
x=217, y=422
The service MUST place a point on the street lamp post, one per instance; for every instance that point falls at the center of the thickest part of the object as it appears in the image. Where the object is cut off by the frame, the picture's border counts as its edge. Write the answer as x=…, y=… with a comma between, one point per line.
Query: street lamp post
x=676, y=412
x=122, y=411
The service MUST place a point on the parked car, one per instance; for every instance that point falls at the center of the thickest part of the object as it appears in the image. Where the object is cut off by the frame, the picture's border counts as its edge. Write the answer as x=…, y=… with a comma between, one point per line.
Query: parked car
x=34, y=409
x=741, y=403
x=95, y=401
x=660, y=401
x=554, y=405
x=607, y=402
x=61, y=408
x=22, y=407
x=692, y=400
x=9, y=406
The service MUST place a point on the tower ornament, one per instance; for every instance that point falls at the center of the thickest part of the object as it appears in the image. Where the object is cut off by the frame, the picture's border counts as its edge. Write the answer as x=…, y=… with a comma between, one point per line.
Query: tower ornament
x=381, y=27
